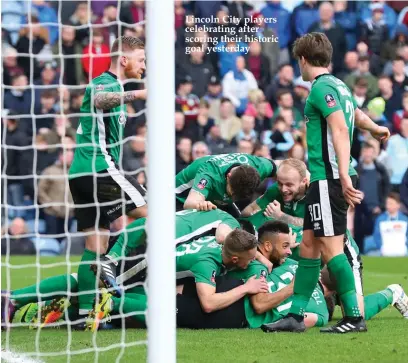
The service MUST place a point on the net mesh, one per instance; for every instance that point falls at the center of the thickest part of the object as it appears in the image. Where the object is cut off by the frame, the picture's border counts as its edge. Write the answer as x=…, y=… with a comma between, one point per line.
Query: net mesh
x=32, y=201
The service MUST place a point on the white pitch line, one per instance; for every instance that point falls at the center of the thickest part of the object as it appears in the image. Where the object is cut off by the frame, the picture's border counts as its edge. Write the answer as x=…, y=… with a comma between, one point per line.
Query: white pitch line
x=9, y=356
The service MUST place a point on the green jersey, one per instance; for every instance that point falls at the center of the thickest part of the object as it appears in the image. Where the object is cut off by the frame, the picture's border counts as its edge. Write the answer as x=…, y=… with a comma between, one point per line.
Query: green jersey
x=99, y=131
x=208, y=175
x=201, y=258
x=328, y=94
x=296, y=208
x=279, y=278
x=192, y=224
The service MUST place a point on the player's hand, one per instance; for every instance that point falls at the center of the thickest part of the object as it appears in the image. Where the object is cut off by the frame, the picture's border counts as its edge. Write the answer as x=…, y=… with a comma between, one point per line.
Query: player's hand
x=381, y=133
x=292, y=239
x=205, y=206
x=256, y=286
x=273, y=210
x=351, y=195
x=141, y=94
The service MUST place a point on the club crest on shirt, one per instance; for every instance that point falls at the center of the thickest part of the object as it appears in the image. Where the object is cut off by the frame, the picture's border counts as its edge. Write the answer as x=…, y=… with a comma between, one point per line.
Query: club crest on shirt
x=122, y=118
x=306, y=118
x=331, y=102
x=202, y=183
x=100, y=87
x=213, y=276
x=263, y=274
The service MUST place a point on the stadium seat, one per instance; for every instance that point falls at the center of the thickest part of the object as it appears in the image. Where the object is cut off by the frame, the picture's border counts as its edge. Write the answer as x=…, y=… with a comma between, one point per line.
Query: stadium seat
x=47, y=246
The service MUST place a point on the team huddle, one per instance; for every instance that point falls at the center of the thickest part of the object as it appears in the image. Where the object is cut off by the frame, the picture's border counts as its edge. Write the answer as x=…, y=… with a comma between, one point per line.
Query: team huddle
x=281, y=262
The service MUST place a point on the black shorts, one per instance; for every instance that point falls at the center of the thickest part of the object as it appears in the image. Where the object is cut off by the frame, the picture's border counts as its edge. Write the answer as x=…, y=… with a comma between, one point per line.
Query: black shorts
x=326, y=208
x=115, y=193
x=190, y=314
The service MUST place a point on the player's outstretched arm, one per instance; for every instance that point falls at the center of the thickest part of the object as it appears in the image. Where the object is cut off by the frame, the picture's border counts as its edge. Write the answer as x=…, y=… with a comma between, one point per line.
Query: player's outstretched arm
x=196, y=200
x=362, y=121
x=108, y=100
x=267, y=301
x=211, y=301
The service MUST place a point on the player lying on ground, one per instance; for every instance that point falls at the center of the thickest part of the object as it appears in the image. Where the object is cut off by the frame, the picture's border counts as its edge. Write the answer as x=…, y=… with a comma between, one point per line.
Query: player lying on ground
x=190, y=225
x=218, y=181
x=330, y=114
x=100, y=191
x=286, y=201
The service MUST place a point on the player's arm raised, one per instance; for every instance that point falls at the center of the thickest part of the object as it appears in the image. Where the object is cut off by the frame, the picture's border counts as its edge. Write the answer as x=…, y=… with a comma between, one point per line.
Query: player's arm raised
x=212, y=301
x=362, y=121
x=341, y=143
x=108, y=100
x=267, y=301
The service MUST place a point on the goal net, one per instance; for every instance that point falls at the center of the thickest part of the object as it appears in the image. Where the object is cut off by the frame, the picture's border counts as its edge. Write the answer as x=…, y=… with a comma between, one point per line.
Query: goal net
x=51, y=50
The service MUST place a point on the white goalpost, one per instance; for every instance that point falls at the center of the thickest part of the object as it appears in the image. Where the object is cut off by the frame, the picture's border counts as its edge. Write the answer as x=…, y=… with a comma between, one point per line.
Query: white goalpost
x=161, y=171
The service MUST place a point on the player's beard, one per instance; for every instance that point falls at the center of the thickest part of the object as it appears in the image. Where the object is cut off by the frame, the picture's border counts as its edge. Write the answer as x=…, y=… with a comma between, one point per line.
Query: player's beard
x=130, y=73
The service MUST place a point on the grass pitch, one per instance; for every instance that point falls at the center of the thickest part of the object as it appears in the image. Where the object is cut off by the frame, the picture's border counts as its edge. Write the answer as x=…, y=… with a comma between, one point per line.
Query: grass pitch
x=386, y=341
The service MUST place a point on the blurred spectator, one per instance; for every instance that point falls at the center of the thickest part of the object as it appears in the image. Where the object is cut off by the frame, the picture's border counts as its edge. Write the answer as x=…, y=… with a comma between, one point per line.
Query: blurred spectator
x=303, y=16
x=261, y=150
x=227, y=58
x=334, y=32
x=179, y=14
x=98, y=6
x=297, y=151
x=213, y=96
x=182, y=33
x=182, y=129
x=401, y=52
x=374, y=59
x=374, y=31
x=404, y=193
x=389, y=49
x=183, y=156
x=239, y=9
x=400, y=114
x=274, y=9
x=199, y=69
x=109, y=21
x=71, y=67
x=347, y=19
x=11, y=160
x=247, y=131
x=390, y=17
x=258, y=64
x=10, y=65
x=76, y=102
x=96, y=56
x=392, y=99
x=350, y=64
x=363, y=71
x=33, y=38
x=204, y=122
x=81, y=18
x=62, y=127
x=399, y=79
x=259, y=108
x=19, y=97
x=397, y=150
x=301, y=91
x=374, y=183
x=228, y=122
x=46, y=14
x=283, y=80
x=391, y=232
x=187, y=102
x=199, y=150
x=285, y=102
x=134, y=151
x=360, y=92
x=47, y=110
x=133, y=13
x=215, y=142
x=206, y=9
x=48, y=81
x=16, y=243
x=278, y=139
x=12, y=16
x=245, y=147
x=237, y=84
x=53, y=189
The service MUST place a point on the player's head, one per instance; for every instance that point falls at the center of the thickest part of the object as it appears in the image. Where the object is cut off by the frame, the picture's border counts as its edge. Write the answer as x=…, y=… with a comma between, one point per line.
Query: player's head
x=274, y=241
x=393, y=203
x=239, y=249
x=292, y=179
x=242, y=182
x=128, y=55
x=312, y=50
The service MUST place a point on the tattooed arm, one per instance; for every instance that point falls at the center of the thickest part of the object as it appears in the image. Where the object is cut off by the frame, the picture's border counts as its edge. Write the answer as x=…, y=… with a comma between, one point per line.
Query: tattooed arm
x=108, y=100
x=274, y=210
x=296, y=221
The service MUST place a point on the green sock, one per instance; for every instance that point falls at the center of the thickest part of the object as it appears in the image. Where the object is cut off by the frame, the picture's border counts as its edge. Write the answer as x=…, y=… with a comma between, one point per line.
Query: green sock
x=345, y=284
x=48, y=289
x=86, y=282
x=133, y=236
x=132, y=303
x=376, y=302
x=307, y=276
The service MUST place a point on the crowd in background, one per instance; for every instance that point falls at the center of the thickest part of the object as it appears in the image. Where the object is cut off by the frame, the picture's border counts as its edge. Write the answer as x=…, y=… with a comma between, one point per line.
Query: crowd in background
x=225, y=101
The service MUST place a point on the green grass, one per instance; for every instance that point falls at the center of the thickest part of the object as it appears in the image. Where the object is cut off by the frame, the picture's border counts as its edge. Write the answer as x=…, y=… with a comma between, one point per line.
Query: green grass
x=386, y=340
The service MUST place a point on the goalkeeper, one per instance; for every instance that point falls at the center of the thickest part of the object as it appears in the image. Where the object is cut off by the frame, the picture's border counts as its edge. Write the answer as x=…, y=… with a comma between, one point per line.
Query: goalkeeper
x=100, y=192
